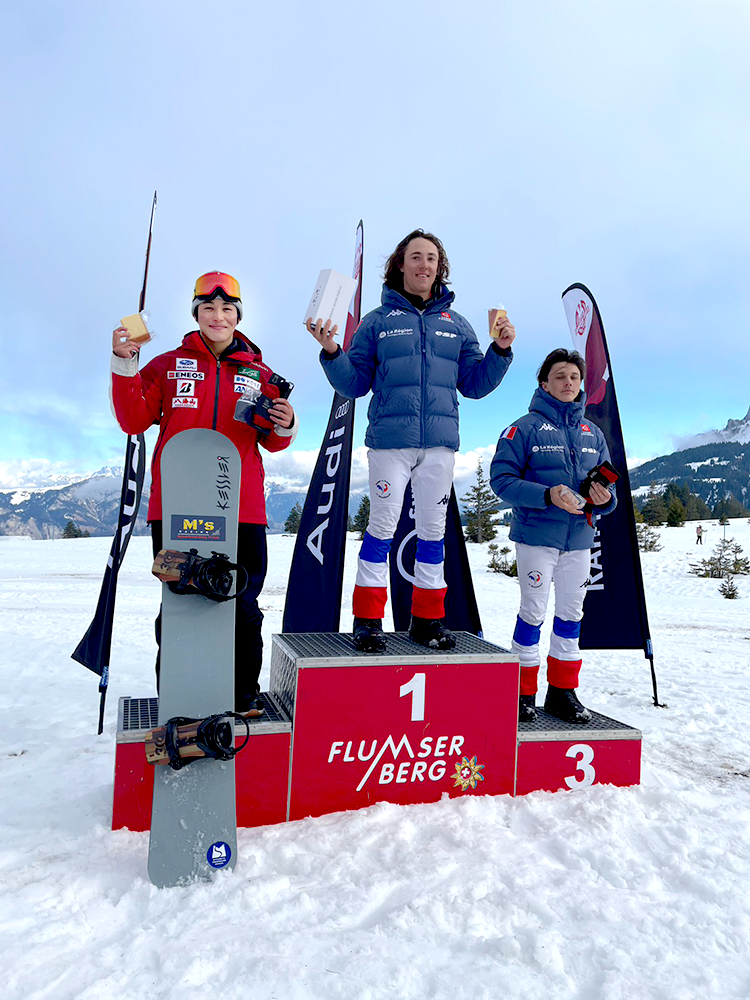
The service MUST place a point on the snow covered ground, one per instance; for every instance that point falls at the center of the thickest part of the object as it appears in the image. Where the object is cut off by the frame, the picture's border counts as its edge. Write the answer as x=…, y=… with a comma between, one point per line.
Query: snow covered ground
x=598, y=894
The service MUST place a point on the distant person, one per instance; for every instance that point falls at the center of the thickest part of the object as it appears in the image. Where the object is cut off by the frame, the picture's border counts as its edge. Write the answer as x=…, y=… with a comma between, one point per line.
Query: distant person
x=221, y=359
x=699, y=535
x=539, y=460
x=415, y=354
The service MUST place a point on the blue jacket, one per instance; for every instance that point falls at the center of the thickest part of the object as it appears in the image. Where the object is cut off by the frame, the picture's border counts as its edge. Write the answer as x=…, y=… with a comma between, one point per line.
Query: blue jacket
x=414, y=362
x=551, y=445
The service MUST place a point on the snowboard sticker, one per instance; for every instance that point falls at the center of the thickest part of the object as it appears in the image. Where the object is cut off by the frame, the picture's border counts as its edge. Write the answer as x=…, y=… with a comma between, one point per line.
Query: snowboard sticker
x=193, y=824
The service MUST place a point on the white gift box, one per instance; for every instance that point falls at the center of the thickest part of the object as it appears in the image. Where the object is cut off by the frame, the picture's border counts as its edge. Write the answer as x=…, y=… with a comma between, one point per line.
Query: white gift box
x=331, y=298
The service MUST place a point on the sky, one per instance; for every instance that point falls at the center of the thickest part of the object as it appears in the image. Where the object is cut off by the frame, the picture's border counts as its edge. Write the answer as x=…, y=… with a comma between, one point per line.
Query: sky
x=544, y=143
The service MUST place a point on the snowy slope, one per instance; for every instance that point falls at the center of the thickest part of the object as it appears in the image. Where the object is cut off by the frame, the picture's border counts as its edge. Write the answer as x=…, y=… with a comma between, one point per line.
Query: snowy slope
x=603, y=893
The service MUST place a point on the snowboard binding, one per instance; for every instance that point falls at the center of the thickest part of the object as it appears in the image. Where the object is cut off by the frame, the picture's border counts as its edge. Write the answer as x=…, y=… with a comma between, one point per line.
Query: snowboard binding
x=189, y=573
x=181, y=741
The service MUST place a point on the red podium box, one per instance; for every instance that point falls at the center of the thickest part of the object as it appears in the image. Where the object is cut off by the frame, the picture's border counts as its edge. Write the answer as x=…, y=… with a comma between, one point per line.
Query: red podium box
x=556, y=756
x=261, y=769
x=407, y=725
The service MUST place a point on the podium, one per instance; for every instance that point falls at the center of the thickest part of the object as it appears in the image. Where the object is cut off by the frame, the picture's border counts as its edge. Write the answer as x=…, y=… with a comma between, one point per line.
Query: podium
x=343, y=729
x=407, y=725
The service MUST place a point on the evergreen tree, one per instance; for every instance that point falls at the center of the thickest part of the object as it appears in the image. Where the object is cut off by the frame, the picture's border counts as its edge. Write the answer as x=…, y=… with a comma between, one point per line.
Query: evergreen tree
x=654, y=509
x=675, y=513
x=637, y=514
x=697, y=509
x=362, y=517
x=481, y=504
x=72, y=531
x=729, y=589
x=725, y=560
x=291, y=525
x=728, y=507
x=648, y=538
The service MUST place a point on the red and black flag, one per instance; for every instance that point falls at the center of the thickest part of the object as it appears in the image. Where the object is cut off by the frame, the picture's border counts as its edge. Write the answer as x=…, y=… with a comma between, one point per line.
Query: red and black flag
x=615, y=615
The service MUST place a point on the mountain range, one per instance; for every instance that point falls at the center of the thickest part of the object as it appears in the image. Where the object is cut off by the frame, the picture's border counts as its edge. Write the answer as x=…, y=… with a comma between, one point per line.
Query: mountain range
x=713, y=463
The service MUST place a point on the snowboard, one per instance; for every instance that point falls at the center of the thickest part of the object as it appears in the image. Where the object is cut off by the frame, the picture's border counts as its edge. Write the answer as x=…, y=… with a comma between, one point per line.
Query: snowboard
x=193, y=821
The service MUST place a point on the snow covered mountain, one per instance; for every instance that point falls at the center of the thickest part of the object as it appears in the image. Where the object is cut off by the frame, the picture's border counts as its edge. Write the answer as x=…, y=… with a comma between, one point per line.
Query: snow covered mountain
x=714, y=464
x=737, y=431
x=93, y=503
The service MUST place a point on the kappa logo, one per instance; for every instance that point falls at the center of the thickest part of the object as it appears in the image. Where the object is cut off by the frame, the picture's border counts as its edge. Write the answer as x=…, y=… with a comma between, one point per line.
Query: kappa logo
x=186, y=363
x=548, y=427
x=383, y=488
x=396, y=312
x=189, y=402
x=445, y=501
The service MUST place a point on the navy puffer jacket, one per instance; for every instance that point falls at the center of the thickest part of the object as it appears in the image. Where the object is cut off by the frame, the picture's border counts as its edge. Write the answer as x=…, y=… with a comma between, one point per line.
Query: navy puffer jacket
x=552, y=445
x=414, y=362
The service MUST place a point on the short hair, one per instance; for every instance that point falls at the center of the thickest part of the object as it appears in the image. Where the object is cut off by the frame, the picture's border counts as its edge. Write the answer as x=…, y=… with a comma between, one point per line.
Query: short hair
x=560, y=355
x=393, y=275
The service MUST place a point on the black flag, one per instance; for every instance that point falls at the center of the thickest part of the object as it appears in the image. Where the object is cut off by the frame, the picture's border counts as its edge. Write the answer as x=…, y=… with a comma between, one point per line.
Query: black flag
x=94, y=648
x=313, y=597
x=461, y=611
x=615, y=608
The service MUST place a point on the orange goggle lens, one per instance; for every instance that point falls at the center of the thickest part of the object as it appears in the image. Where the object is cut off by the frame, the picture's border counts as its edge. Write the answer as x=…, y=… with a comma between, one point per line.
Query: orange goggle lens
x=208, y=283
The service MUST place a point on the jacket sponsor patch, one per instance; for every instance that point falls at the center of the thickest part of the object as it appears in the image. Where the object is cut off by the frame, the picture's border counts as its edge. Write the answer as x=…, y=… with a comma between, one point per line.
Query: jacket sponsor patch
x=446, y=333
x=547, y=427
x=186, y=387
x=509, y=432
x=446, y=316
x=186, y=374
x=186, y=364
x=250, y=372
x=401, y=332
x=394, y=312
x=187, y=401
x=587, y=430
x=548, y=447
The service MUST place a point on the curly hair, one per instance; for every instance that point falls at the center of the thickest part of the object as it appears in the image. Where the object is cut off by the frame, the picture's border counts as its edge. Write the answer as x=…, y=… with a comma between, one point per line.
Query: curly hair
x=393, y=274
x=560, y=355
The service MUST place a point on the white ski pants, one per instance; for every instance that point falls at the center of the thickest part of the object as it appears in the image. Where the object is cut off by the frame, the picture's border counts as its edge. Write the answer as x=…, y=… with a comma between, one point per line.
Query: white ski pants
x=430, y=471
x=539, y=566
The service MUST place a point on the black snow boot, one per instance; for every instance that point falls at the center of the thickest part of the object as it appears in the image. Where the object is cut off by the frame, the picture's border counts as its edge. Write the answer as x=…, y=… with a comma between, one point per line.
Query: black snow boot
x=432, y=633
x=368, y=635
x=526, y=708
x=563, y=704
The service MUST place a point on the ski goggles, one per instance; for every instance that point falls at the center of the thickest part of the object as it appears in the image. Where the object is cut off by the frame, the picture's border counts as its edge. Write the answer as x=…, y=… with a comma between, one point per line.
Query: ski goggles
x=209, y=283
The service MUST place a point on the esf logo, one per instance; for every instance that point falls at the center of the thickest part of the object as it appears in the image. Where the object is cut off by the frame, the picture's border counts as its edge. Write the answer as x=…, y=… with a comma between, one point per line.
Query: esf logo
x=534, y=578
x=445, y=333
x=383, y=488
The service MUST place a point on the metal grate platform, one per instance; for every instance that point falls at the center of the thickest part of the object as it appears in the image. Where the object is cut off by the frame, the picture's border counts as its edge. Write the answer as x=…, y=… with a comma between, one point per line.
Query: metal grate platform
x=601, y=727
x=135, y=716
x=293, y=650
x=332, y=646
